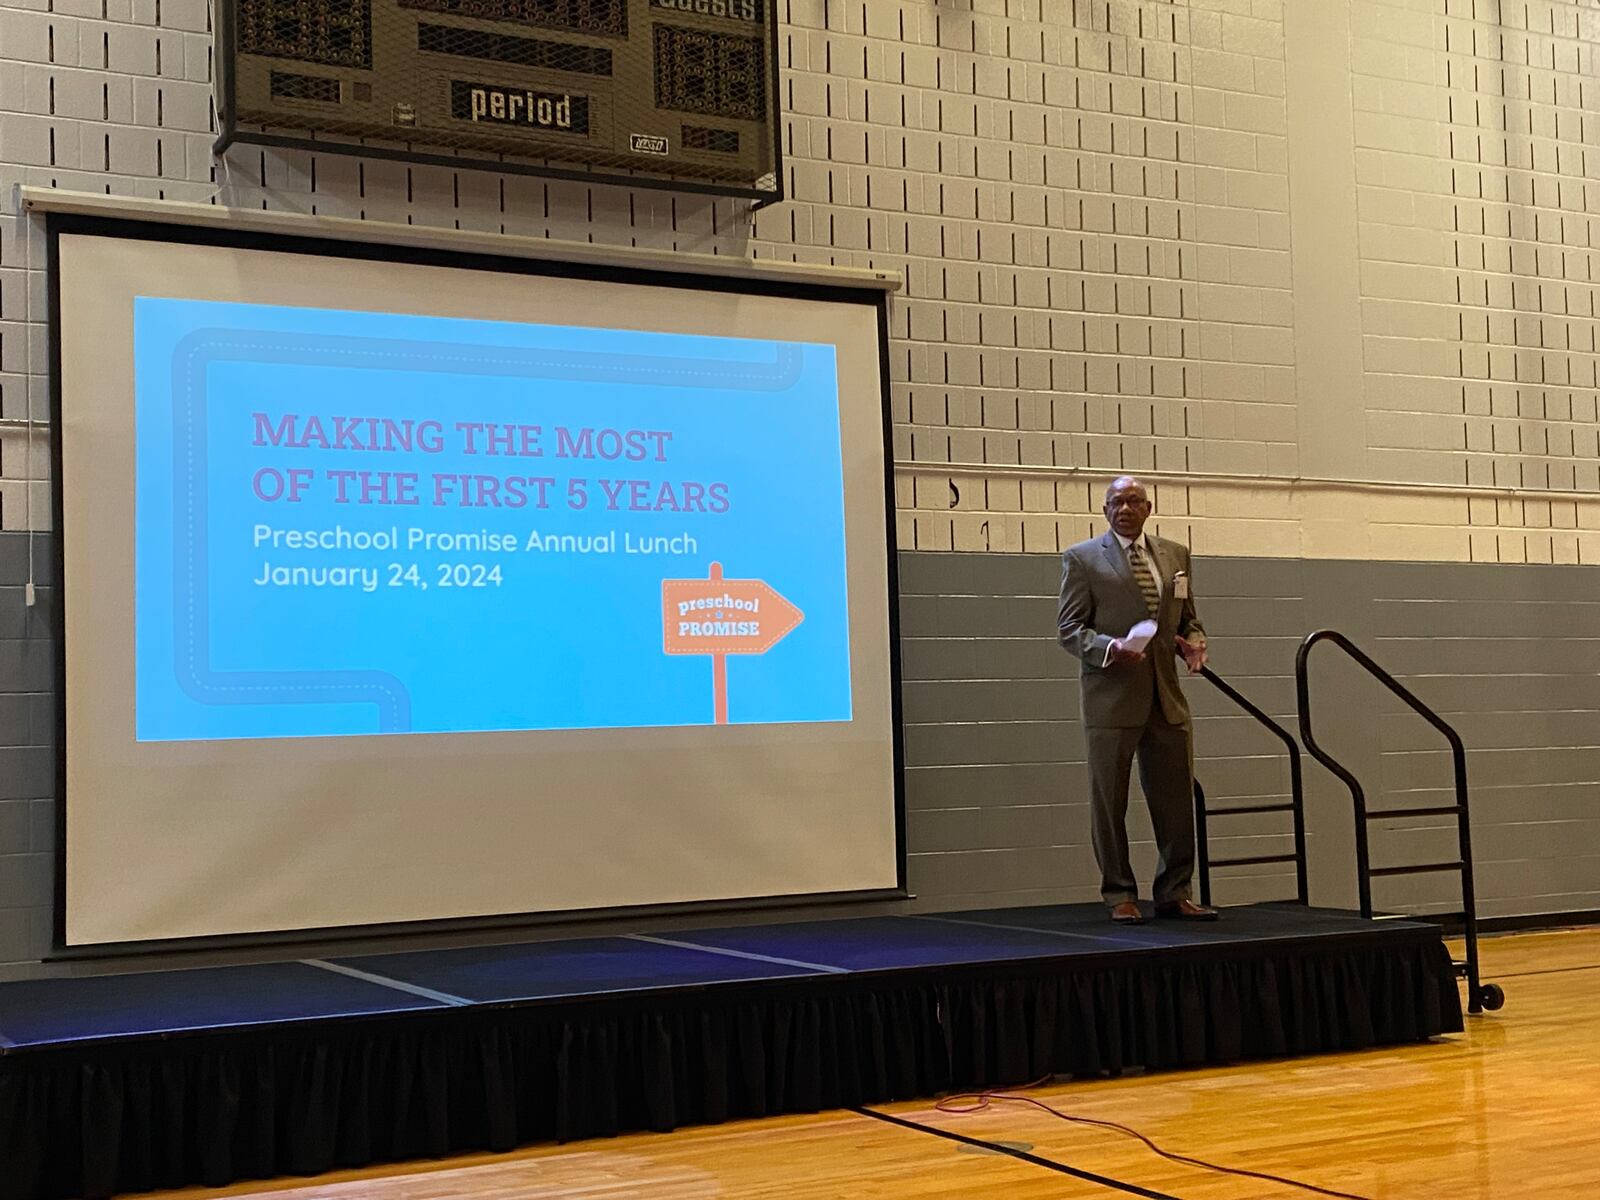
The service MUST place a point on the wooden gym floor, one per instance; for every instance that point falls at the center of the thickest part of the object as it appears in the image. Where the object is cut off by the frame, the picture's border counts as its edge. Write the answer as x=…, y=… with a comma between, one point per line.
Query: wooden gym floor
x=1509, y=1109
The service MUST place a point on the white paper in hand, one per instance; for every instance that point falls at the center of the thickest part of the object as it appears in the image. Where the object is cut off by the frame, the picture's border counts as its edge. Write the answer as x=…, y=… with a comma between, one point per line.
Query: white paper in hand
x=1139, y=636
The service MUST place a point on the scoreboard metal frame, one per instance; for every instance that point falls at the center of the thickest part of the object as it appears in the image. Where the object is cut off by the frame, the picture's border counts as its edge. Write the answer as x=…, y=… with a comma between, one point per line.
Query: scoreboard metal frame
x=396, y=145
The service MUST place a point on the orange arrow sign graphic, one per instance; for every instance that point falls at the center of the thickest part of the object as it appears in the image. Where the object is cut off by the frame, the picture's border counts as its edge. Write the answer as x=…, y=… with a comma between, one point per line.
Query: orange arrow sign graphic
x=723, y=616
x=719, y=617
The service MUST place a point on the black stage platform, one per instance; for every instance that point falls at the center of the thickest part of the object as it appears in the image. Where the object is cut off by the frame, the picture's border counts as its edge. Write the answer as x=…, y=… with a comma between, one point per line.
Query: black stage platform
x=130, y=1082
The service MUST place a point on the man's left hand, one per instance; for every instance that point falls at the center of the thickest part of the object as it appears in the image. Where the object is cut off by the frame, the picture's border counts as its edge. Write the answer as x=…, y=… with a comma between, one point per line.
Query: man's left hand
x=1194, y=655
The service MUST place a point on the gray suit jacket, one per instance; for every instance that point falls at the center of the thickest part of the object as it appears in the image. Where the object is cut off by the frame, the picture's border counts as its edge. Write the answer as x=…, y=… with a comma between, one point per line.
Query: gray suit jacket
x=1100, y=602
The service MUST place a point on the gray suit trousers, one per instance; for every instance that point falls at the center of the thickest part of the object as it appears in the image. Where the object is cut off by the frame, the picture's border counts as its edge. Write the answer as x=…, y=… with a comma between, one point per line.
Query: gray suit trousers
x=1166, y=772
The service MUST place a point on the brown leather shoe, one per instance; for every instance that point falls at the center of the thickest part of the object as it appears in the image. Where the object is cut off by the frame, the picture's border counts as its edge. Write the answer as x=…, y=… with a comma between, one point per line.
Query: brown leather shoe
x=1127, y=913
x=1186, y=910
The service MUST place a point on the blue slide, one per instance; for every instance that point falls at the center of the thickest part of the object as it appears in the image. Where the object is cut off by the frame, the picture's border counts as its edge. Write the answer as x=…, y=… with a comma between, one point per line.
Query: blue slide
x=358, y=523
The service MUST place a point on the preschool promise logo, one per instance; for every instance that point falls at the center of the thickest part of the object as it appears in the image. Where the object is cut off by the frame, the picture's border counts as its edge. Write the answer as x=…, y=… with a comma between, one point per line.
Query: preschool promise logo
x=484, y=103
x=718, y=617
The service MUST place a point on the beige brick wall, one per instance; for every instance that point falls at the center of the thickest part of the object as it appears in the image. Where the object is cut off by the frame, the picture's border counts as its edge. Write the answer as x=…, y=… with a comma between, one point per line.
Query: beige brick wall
x=1477, y=235
x=1251, y=248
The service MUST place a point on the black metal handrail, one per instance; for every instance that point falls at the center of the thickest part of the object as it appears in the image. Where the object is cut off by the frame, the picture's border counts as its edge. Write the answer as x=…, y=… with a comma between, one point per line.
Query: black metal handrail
x=1479, y=996
x=1296, y=805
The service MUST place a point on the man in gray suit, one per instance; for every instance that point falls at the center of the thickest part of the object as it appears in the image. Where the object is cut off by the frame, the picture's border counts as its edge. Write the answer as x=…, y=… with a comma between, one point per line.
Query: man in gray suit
x=1133, y=705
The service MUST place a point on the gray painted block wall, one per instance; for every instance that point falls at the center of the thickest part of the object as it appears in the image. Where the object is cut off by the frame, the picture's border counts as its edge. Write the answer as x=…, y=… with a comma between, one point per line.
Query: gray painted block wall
x=995, y=776
x=996, y=783
x=1508, y=654
x=27, y=750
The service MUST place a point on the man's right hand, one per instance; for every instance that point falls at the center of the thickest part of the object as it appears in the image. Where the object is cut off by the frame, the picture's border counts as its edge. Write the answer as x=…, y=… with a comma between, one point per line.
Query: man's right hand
x=1121, y=655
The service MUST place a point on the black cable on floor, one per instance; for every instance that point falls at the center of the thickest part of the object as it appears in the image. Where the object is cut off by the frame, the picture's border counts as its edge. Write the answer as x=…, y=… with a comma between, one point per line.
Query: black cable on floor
x=972, y=1102
x=1131, y=1189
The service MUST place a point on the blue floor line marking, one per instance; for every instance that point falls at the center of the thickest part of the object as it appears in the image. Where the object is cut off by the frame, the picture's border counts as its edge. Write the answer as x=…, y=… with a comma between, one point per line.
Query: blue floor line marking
x=384, y=981
x=766, y=958
x=1097, y=938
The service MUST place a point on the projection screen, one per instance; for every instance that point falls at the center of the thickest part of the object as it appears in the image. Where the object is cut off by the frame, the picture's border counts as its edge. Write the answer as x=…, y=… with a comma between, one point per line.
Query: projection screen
x=400, y=591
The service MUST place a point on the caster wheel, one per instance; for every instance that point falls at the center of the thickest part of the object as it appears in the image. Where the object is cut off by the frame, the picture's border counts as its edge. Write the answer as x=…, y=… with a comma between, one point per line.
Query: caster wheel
x=1492, y=996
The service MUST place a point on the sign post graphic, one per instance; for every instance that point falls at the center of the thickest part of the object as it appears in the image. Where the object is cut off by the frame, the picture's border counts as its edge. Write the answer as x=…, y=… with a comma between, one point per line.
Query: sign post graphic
x=719, y=617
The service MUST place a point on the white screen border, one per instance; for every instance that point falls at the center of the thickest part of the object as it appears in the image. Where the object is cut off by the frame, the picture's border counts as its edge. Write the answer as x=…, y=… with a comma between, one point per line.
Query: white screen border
x=739, y=283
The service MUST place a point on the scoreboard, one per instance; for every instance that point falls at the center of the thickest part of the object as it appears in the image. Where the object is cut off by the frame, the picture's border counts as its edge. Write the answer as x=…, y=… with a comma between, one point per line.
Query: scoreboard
x=685, y=89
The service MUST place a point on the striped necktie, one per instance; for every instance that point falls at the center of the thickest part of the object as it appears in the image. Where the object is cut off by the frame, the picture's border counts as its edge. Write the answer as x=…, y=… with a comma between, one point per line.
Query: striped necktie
x=1143, y=577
